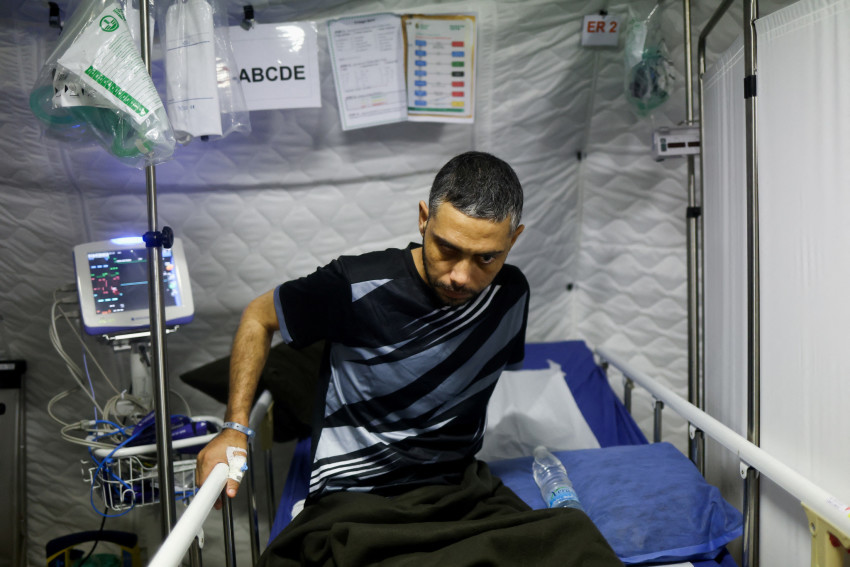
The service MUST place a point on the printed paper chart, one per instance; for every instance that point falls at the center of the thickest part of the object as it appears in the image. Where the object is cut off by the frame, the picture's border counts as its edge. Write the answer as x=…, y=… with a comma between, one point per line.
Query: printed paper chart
x=440, y=67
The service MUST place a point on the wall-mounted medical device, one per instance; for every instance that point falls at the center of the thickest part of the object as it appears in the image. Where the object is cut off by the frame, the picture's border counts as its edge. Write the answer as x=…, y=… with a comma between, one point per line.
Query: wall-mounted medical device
x=675, y=142
x=112, y=285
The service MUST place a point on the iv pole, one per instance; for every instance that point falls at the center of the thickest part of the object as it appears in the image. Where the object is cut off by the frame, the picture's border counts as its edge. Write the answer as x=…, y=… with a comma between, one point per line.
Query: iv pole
x=154, y=241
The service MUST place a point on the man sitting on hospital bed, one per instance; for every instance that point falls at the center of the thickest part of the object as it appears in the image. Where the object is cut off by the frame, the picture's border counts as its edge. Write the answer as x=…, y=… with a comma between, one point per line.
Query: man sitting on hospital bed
x=417, y=339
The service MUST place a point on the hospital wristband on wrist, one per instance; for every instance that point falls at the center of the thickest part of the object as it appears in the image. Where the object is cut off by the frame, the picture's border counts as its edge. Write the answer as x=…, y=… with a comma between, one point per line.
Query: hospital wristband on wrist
x=240, y=428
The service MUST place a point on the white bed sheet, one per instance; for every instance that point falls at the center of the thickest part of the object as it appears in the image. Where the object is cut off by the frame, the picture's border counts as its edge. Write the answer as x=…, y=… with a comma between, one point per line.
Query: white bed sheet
x=530, y=408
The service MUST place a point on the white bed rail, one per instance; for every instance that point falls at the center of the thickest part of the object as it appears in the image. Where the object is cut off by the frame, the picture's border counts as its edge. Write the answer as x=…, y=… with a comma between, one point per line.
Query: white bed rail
x=173, y=549
x=177, y=544
x=815, y=499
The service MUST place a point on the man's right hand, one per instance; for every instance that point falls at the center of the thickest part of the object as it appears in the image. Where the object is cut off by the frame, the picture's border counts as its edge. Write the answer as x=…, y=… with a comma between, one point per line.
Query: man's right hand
x=216, y=452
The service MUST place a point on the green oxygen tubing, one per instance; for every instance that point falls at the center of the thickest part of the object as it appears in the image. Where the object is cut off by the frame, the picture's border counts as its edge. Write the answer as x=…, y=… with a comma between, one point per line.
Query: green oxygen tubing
x=67, y=121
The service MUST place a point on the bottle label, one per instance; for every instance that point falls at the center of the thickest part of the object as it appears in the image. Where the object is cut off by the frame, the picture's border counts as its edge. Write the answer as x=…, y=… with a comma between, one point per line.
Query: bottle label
x=560, y=495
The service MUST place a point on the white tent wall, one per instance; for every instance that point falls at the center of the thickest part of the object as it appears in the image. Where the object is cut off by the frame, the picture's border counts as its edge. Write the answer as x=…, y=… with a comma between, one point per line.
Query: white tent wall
x=299, y=191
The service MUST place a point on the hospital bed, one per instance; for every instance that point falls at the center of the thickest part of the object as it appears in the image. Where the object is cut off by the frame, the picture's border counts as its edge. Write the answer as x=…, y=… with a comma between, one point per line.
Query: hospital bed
x=648, y=500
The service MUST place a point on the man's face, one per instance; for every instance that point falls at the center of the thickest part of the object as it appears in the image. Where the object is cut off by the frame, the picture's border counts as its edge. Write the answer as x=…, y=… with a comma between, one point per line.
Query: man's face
x=461, y=255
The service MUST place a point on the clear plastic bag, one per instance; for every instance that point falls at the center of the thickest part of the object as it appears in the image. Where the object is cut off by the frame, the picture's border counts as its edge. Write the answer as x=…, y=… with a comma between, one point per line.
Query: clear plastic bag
x=650, y=75
x=204, y=97
x=94, y=87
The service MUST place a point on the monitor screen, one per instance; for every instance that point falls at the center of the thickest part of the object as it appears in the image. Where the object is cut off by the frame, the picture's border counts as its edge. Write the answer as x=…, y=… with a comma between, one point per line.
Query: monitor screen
x=112, y=284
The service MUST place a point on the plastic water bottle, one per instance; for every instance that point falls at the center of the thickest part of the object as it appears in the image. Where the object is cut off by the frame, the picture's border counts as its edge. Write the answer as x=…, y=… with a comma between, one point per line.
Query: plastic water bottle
x=551, y=476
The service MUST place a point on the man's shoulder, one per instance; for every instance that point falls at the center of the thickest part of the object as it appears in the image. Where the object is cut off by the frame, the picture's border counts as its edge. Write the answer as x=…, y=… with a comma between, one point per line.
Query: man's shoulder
x=511, y=275
x=378, y=264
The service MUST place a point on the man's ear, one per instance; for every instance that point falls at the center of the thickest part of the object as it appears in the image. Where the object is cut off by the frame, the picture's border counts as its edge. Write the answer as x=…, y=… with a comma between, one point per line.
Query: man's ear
x=423, y=217
x=517, y=232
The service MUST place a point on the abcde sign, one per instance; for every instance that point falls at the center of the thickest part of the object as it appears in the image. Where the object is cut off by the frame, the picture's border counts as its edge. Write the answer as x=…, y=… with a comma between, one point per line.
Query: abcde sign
x=278, y=65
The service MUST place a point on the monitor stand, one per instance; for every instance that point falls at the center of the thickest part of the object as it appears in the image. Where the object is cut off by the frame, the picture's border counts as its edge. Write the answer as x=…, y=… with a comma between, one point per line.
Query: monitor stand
x=141, y=381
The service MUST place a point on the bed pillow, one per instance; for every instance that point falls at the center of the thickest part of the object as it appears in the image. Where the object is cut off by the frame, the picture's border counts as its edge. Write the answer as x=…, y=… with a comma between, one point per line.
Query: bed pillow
x=649, y=501
x=530, y=408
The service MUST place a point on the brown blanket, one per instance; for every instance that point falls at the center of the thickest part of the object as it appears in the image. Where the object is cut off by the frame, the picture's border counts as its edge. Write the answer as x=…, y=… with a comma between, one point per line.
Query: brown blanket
x=479, y=522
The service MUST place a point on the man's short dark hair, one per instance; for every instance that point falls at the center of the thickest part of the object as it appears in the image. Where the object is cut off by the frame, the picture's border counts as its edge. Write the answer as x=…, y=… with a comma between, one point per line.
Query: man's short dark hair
x=479, y=185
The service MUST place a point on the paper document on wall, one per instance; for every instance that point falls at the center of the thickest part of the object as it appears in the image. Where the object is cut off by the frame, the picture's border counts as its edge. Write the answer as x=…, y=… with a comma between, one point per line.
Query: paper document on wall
x=278, y=65
x=367, y=55
x=440, y=67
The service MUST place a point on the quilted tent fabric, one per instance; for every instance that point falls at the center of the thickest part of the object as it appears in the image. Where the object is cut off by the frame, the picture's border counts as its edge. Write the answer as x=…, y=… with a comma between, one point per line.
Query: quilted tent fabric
x=603, y=249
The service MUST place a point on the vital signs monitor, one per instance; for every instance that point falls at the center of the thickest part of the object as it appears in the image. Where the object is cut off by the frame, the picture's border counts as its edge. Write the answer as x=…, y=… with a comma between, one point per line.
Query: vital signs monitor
x=112, y=284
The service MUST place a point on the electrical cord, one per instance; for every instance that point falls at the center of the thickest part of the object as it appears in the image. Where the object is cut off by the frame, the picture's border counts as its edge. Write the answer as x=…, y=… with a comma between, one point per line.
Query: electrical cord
x=101, y=466
x=75, y=371
x=115, y=424
x=54, y=400
x=91, y=386
x=176, y=394
x=97, y=541
x=80, y=376
x=58, y=344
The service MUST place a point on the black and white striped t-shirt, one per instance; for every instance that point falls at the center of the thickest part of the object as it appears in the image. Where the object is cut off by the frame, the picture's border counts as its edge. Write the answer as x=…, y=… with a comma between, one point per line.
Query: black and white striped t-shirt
x=406, y=379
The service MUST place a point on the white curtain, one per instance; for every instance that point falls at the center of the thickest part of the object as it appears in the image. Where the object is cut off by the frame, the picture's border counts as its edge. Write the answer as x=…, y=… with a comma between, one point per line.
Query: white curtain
x=803, y=135
x=725, y=245
x=804, y=199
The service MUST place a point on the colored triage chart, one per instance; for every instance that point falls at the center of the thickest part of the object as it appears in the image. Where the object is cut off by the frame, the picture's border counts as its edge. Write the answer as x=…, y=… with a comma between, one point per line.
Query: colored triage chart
x=440, y=67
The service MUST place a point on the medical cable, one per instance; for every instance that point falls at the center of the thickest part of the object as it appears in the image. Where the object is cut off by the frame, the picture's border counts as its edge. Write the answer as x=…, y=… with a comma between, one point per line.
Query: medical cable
x=58, y=343
x=97, y=474
x=96, y=541
x=107, y=460
x=182, y=399
x=85, y=426
x=74, y=369
x=116, y=424
x=79, y=337
x=78, y=373
x=56, y=399
x=103, y=471
x=91, y=386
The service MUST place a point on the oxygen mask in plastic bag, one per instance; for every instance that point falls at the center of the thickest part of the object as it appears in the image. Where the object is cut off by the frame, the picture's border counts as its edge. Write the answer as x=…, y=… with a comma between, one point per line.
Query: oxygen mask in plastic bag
x=650, y=75
x=95, y=87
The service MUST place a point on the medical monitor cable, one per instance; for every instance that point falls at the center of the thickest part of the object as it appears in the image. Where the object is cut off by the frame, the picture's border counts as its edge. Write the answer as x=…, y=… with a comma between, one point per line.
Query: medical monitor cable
x=96, y=541
x=76, y=372
x=104, y=433
x=74, y=369
x=97, y=474
x=91, y=386
x=75, y=331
